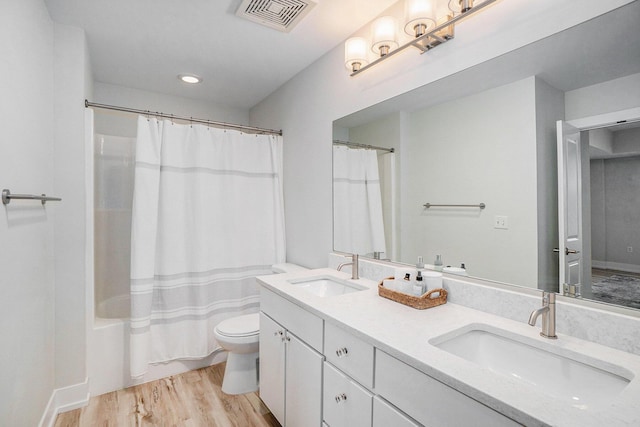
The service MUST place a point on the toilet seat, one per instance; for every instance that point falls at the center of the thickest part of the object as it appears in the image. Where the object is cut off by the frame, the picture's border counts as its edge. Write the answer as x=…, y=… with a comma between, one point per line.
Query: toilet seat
x=240, y=326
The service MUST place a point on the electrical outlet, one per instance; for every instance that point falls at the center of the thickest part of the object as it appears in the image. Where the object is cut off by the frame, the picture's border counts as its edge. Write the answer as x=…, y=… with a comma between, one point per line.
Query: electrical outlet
x=501, y=222
x=630, y=249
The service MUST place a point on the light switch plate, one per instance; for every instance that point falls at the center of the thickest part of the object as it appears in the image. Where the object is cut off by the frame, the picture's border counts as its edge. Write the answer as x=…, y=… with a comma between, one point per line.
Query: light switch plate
x=501, y=222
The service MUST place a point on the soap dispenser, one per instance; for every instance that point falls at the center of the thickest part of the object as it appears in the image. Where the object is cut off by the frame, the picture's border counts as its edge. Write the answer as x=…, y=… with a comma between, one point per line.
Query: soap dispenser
x=437, y=264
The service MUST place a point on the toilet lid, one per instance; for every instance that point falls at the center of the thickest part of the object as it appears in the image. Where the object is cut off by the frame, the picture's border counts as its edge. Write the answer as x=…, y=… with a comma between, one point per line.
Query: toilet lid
x=240, y=326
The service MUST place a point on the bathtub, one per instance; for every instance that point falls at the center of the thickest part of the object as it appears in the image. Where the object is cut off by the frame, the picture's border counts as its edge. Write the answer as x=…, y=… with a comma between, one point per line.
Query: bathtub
x=108, y=351
x=117, y=307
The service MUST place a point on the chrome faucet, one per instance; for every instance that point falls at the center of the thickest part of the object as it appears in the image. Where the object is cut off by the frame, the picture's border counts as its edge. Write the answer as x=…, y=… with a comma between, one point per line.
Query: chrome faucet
x=353, y=264
x=548, y=312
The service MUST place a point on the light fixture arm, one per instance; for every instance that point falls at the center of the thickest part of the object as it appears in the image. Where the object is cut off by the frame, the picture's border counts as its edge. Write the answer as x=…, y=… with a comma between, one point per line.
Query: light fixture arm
x=430, y=39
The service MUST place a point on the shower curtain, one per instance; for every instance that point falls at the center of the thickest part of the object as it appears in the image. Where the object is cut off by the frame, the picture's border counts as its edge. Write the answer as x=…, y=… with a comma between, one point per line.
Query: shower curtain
x=357, y=207
x=207, y=218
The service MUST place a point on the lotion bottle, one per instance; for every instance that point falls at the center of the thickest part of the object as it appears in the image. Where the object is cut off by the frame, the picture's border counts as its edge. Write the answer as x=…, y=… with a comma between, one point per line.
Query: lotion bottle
x=419, y=287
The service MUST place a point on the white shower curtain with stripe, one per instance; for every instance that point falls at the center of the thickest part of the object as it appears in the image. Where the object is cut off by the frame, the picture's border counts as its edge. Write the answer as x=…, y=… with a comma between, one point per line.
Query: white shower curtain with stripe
x=207, y=218
x=357, y=204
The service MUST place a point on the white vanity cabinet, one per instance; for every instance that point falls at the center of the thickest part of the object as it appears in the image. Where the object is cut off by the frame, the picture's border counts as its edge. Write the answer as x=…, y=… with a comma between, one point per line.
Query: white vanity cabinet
x=429, y=401
x=348, y=376
x=290, y=368
x=349, y=354
x=385, y=415
x=345, y=402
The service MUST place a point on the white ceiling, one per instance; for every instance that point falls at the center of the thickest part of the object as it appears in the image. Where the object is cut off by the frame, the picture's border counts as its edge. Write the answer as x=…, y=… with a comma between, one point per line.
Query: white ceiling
x=145, y=44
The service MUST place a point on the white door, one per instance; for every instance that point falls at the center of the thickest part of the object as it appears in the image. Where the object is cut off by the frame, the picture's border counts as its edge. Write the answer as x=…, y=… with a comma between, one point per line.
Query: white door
x=303, y=407
x=272, y=365
x=569, y=208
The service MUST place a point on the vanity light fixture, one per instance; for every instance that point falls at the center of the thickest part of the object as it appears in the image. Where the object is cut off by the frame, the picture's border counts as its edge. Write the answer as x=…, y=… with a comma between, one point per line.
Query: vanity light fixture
x=355, y=54
x=383, y=35
x=459, y=6
x=419, y=16
x=424, y=22
x=190, y=78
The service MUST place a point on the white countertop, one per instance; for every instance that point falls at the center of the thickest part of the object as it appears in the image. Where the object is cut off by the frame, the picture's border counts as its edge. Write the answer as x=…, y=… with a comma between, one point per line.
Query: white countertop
x=404, y=333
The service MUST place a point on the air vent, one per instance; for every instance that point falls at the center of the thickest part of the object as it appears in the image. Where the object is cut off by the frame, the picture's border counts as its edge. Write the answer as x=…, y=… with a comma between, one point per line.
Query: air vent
x=281, y=15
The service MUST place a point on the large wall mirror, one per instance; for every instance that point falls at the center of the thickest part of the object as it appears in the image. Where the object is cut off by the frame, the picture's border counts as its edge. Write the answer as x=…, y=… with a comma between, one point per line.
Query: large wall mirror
x=466, y=168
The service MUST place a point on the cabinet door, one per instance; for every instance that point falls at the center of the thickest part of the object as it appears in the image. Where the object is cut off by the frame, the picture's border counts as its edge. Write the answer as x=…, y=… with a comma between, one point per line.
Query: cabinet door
x=346, y=404
x=272, y=366
x=429, y=401
x=303, y=397
x=385, y=415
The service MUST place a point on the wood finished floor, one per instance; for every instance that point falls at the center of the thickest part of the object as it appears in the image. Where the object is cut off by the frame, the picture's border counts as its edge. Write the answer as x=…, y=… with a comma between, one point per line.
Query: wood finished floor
x=191, y=399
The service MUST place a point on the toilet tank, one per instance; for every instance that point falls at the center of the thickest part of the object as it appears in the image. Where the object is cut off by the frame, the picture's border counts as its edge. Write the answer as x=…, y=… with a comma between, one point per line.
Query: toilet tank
x=286, y=268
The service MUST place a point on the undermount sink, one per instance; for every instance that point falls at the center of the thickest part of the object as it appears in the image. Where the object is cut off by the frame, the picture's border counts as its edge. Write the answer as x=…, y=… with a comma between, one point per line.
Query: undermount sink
x=580, y=380
x=326, y=286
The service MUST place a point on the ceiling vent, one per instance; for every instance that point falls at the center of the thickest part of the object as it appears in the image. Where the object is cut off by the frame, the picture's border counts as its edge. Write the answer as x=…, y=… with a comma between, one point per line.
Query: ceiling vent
x=281, y=15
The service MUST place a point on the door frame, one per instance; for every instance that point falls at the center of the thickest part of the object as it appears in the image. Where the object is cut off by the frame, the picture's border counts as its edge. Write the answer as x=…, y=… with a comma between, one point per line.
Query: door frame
x=596, y=122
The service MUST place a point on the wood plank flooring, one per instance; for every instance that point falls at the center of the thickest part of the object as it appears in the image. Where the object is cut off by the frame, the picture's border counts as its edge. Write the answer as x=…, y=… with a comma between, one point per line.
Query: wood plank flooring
x=192, y=399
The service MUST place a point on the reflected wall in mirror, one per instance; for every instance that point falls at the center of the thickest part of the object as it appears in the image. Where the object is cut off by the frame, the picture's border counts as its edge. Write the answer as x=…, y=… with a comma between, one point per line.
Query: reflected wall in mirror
x=487, y=134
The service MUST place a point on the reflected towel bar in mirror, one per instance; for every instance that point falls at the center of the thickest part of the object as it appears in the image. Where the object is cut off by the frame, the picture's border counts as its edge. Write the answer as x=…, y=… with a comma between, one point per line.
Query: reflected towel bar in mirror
x=430, y=205
x=7, y=197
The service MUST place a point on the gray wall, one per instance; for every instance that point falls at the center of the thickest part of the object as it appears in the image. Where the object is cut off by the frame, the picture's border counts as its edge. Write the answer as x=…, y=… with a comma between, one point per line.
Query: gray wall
x=124, y=124
x=26, y=228
x=72, y=78
x=475, y=149
x=549, y=108
x=306, y=106
x=616, y=212
x=598, y=219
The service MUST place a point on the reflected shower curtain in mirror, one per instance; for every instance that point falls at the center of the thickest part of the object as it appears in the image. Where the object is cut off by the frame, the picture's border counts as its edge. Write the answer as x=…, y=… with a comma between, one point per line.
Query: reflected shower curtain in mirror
x=357, y=218
x=207, y=218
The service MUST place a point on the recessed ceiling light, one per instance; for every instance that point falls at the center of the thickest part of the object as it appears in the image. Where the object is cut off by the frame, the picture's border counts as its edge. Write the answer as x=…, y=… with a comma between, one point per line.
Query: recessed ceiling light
x=190, y=78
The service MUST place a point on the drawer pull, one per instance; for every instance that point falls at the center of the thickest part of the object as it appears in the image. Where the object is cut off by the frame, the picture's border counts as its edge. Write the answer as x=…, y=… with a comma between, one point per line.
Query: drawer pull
x=341, y=352
x=341, y=398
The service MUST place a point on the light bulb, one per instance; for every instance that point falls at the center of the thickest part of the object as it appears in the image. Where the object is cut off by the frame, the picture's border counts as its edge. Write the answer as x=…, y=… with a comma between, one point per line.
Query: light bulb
x=383, y=35
x=419, y=16
x=355, y=53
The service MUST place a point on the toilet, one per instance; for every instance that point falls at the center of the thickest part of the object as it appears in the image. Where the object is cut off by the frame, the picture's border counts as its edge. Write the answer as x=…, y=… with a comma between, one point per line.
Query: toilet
x=239, y=336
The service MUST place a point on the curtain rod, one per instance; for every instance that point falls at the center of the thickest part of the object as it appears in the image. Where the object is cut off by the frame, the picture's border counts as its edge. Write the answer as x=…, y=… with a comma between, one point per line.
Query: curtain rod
x=249, y=129
x=370, y=147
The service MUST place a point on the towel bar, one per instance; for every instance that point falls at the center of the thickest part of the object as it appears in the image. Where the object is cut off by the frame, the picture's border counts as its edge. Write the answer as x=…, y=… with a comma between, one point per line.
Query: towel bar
x=429, y=205
x=7, y=197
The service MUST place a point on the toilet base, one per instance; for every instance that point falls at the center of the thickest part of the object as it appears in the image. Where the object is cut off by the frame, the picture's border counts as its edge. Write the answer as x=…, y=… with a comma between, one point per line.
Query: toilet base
x=241, y=373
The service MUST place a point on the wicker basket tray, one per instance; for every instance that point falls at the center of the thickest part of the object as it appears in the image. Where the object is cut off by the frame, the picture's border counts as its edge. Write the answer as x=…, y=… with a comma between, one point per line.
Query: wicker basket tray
x=421, y=302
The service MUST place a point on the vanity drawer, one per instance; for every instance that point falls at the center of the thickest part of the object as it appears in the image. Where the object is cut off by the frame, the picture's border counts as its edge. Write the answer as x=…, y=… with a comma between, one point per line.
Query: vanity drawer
x=344, y=402
x=350, y=354
x=297, y=320
x=386, y=415
x=429, y=401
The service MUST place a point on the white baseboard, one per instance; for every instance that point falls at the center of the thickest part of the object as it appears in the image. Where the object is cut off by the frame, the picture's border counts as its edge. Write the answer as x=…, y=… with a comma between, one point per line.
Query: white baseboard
x=63, y=400
x=599, y=264
x=607, y=265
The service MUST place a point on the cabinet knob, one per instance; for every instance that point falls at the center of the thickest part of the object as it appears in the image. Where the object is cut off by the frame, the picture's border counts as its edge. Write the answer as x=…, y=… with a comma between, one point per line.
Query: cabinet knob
x=341, y=352
x=340, y=397
x=278, y=333
x=288, y=339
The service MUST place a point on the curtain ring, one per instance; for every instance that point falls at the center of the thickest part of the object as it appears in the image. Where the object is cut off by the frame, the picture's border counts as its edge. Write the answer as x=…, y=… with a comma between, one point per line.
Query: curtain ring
x=148, y=114
x=191, y=122
x=172, y=120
